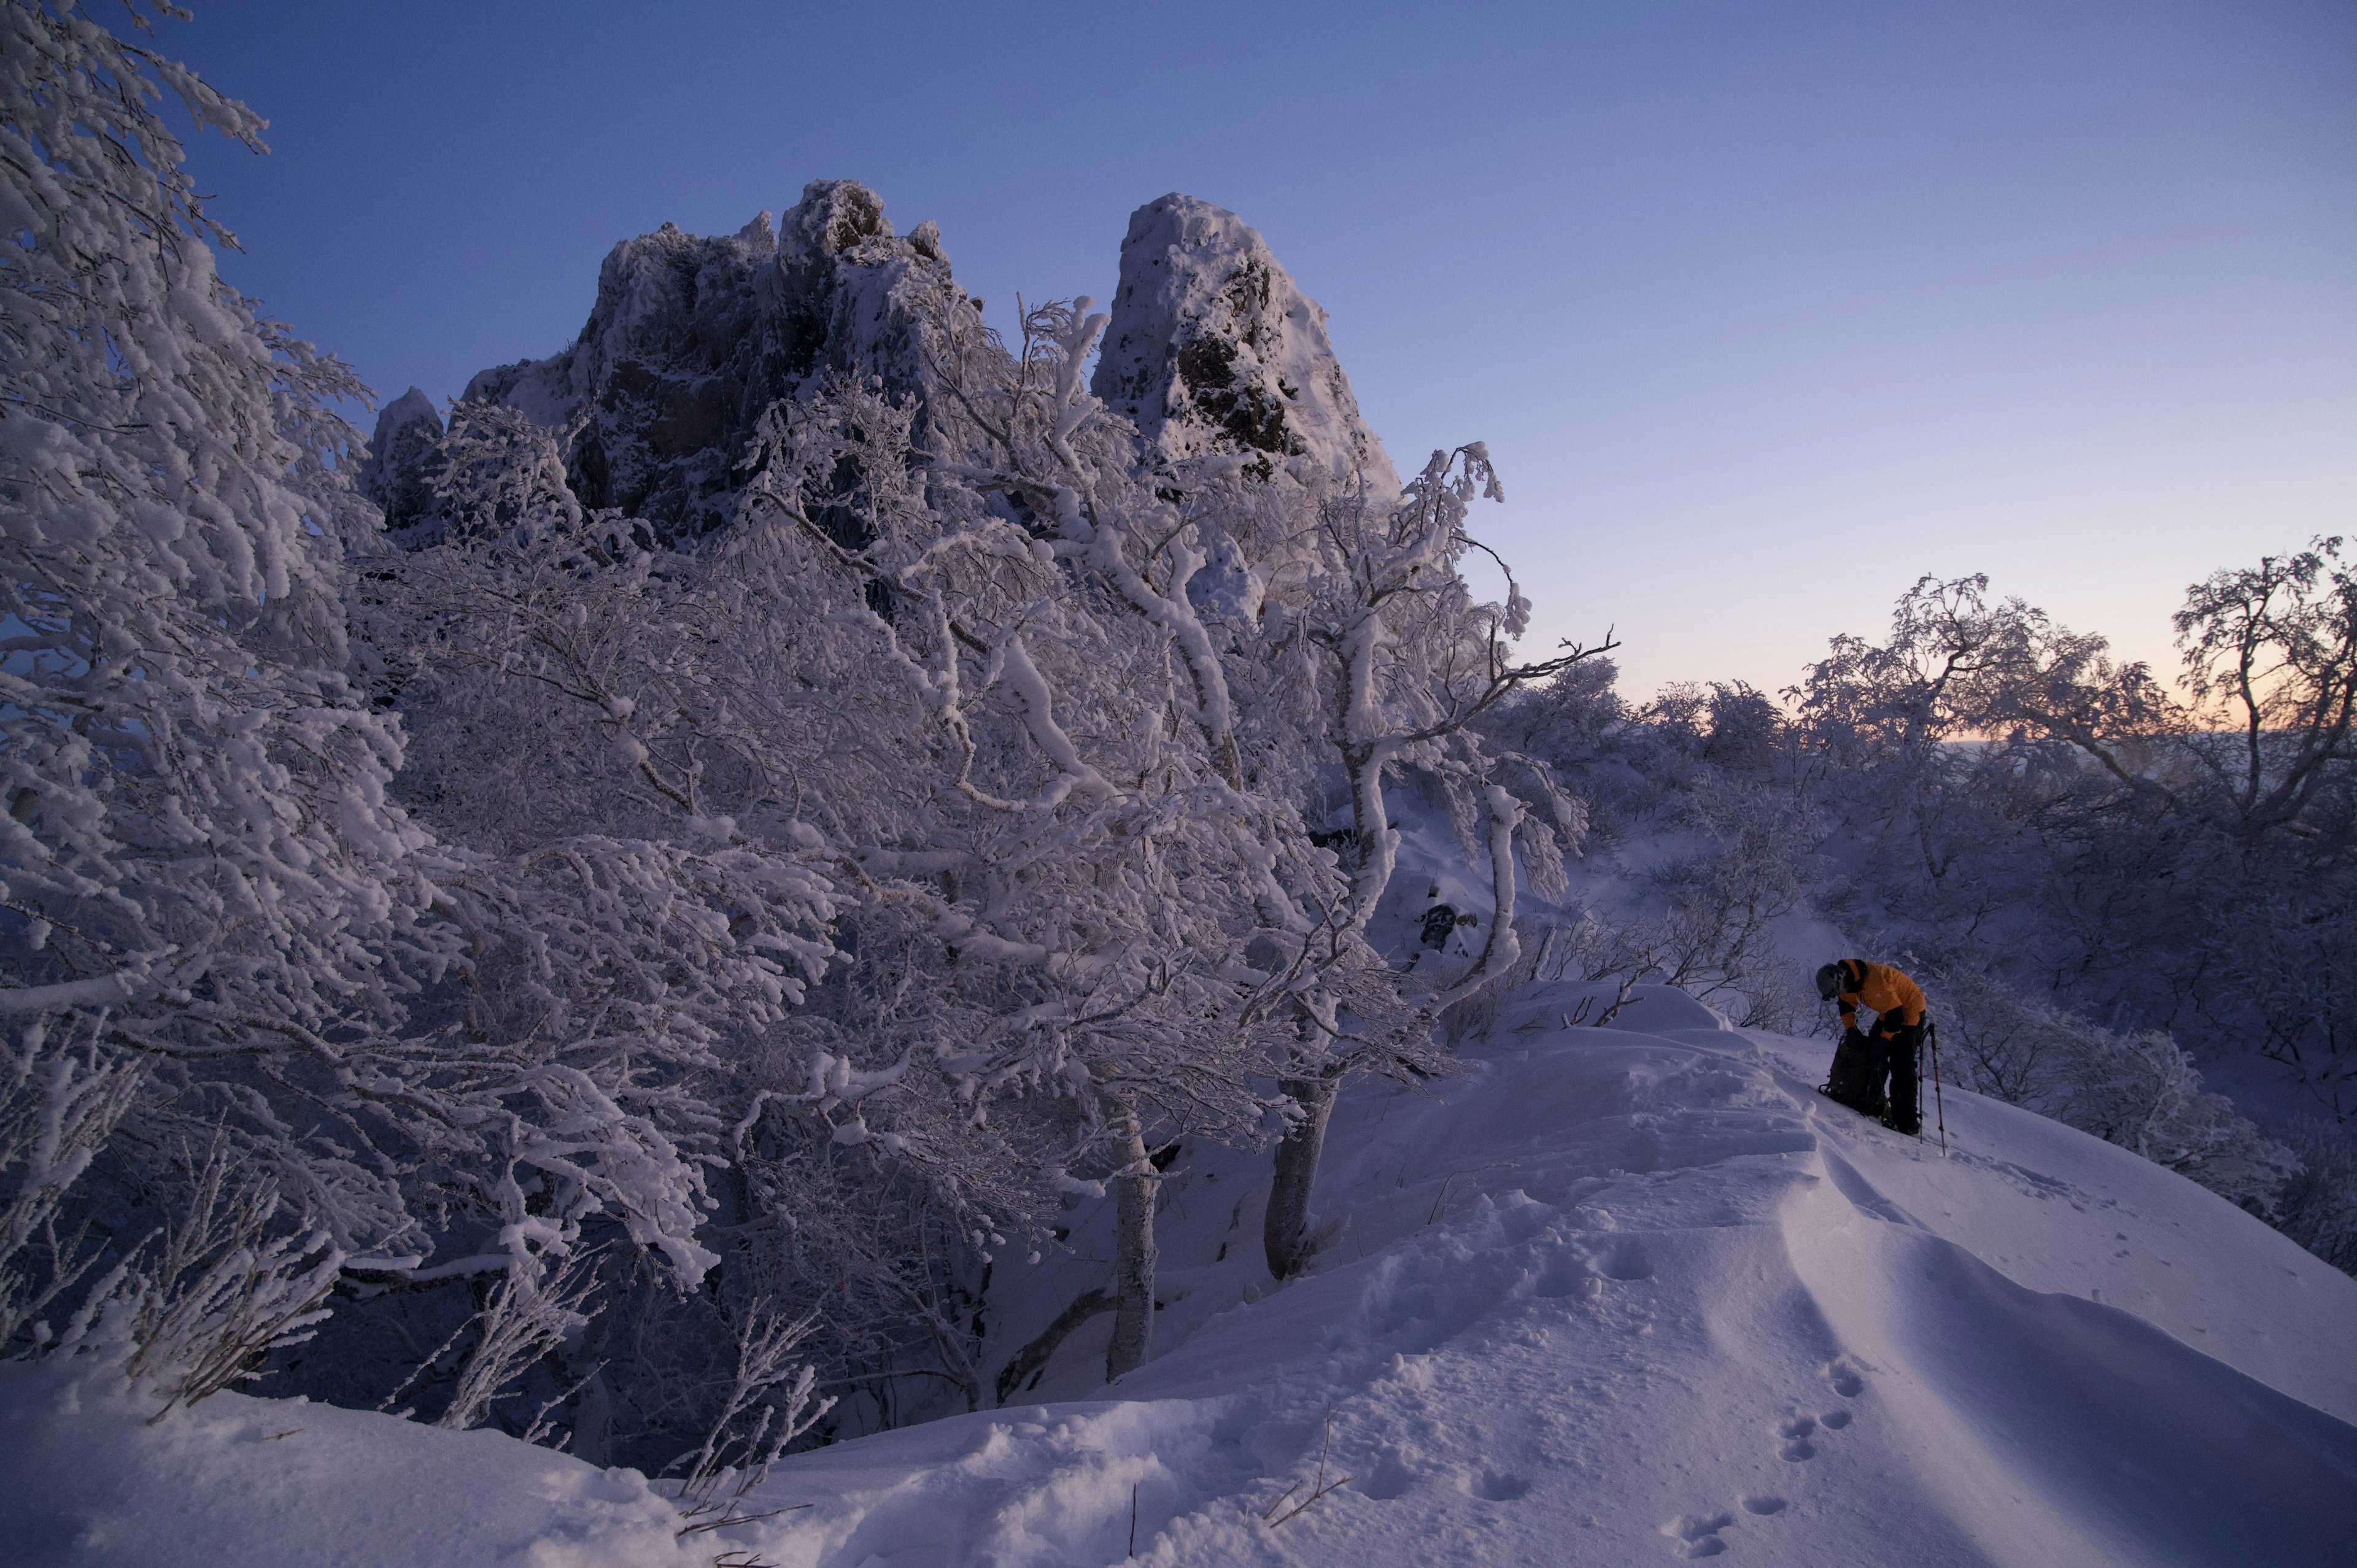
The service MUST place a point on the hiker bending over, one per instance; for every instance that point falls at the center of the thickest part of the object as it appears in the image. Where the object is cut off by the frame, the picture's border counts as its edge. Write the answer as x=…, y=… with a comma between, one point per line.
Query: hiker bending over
x=1892, y=1049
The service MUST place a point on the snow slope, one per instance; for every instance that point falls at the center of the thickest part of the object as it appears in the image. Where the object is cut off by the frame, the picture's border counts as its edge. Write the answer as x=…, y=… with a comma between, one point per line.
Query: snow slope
x=254, y=1483
x=1610, y=1295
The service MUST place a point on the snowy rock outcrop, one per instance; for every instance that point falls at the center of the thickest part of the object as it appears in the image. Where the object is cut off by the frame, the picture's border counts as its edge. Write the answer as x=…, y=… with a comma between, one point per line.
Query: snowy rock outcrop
x=692, y=338
x=1213, y=349
x=399, y=472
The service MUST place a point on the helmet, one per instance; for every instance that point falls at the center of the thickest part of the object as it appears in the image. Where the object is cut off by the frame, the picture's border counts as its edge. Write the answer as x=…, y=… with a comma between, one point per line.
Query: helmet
x=1829, y=982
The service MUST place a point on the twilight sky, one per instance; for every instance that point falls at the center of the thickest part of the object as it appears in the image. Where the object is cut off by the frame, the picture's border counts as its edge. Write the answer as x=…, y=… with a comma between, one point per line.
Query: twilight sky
x=1765, y=310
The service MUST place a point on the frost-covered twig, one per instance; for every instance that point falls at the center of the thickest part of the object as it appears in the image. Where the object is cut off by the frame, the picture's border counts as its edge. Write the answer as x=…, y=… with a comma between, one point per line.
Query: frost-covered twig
x=58, y=1108
x=1319, y=1488
x=531, y=1312
x=229, y=1285
x=739, y=1460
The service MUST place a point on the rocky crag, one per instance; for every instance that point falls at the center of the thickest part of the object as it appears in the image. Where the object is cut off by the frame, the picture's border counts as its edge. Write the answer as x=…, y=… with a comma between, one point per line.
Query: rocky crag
x=692, y=338
x=1212, y=349
x=399, y=473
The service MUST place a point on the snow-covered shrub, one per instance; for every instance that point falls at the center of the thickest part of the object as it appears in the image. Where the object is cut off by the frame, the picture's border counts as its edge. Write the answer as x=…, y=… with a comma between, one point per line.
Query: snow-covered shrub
x=769, y=1402
x=863, y=828
x=233, y=1277
x=2287, y=949
x=58, y=1107
x=2317, y=1207
x=1746, y=731
x=2143, y=1091
x=201, y=869
x=532, y=1306
x=2137, y=1088
x=210, y=892
x=1720, y=903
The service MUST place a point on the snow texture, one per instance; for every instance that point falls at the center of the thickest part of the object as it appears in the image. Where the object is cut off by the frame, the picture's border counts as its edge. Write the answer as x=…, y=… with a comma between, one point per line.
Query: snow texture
x=1610, y=1295
x=1213, y=348
x=246, y=1483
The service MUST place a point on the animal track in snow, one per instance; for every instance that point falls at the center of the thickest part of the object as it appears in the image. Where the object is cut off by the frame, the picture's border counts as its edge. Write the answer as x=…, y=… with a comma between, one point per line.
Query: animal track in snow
x=1697, y=1533
x=1835, y=1420
x=1796, y=1433
x=1763, y=1504
x=1844, y=1379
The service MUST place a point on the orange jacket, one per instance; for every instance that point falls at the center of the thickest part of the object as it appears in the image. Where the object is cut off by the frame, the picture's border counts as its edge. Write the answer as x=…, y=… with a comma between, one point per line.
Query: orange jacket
x=1895, y=999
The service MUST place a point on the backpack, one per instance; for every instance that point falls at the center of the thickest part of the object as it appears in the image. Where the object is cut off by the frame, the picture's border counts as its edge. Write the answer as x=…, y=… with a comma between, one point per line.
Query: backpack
x=1852, y=1081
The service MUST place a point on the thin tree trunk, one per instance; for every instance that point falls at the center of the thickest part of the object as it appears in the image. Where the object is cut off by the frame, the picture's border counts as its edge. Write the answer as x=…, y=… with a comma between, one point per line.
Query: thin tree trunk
x=1284, y=1230
x=1028, y=1360
x=1133, y=1256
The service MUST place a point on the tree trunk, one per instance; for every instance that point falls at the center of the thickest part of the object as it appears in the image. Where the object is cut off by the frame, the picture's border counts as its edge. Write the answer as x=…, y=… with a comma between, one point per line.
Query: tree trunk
x=1284, y=1230
x=1133, y=1257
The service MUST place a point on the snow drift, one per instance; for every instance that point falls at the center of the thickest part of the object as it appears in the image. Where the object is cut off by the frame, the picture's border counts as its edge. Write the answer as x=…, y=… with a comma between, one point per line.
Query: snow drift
x=1609, y=1294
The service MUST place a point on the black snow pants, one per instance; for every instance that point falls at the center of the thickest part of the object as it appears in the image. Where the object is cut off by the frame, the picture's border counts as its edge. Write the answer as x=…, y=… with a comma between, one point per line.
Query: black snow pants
x=1900, y=1056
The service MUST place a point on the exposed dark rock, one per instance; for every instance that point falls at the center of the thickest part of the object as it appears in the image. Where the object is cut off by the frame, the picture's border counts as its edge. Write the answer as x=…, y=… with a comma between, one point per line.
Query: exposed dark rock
x=692, y=338
x=1212, y=349
x=399, y=472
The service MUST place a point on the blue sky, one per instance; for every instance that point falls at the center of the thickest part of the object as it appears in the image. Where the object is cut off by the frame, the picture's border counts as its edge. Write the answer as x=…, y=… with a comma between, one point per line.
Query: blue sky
x=1764, y=310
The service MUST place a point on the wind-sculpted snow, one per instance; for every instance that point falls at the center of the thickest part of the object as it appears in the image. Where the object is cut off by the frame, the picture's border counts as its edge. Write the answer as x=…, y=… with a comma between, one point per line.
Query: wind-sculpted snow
x=242, y=1483
x=1615, y=1295
x=1609, y=1296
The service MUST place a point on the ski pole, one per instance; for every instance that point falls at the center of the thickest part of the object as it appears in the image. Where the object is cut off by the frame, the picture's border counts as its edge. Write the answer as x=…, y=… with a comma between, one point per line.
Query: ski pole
x=1938, y=1100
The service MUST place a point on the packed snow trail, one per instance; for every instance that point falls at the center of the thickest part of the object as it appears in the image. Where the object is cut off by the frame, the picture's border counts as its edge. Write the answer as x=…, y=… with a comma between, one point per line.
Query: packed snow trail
x=1609, y=1296
x=1613, y=1294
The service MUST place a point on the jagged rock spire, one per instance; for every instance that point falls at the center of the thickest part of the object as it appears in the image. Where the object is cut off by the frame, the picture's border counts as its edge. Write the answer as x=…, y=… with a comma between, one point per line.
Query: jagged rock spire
x=1213, y=349
x=692, y=338
x=398, y=473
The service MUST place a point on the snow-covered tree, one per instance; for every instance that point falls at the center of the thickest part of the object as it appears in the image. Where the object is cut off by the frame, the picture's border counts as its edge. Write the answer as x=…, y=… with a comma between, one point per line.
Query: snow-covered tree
x=197, y=843
x=1402, y=660
x=199, y=866
x=221, y=928
x=985, y=756
x=2140, y=1089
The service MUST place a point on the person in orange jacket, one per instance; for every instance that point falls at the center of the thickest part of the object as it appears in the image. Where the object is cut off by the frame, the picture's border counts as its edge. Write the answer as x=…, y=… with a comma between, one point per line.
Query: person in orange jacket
x=1894, y=1046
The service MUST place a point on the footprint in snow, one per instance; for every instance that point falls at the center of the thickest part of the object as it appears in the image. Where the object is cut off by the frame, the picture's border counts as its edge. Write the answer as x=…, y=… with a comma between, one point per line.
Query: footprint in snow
x=1844, y=1379
x=1833, y=1420
x=1627, y=1259
x=1796, y=1433
x=1391, y=1480
x=1565, y=1275
x=1763, y=1504
x=1697, y=1533
x=1497, y=1485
